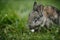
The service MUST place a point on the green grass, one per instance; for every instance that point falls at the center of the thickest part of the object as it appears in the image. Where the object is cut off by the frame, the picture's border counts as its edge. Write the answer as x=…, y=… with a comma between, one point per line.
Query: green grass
x=14, y=20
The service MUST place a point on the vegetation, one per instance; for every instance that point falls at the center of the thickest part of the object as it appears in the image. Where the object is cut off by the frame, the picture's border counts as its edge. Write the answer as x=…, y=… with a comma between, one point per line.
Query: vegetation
x=14, y=25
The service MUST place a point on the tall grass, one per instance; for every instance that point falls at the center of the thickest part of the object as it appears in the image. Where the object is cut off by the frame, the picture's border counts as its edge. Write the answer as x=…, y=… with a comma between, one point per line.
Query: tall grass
x=14, y=21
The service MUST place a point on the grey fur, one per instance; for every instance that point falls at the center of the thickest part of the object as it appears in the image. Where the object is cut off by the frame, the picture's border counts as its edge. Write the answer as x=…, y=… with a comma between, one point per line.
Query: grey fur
x=37, y=18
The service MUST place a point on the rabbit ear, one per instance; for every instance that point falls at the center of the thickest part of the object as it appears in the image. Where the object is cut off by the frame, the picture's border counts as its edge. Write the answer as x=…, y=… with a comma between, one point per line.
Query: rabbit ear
x=35, y=6
x=35, y=3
